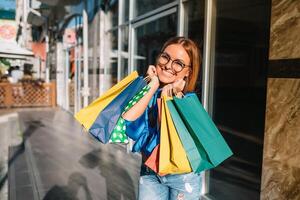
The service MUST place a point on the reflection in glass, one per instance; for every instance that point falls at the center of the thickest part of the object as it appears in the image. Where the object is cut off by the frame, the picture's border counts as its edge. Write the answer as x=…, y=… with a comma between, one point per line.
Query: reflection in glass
x=93, y=58
x=112, y=39
x=150, y=38
x=144, y=6
x=124, y=44
x=113, y=15
x=111, y=57
x=126, y=11
x=113, y=70
x=196, y=31
x=124, y=67
x=239, y=95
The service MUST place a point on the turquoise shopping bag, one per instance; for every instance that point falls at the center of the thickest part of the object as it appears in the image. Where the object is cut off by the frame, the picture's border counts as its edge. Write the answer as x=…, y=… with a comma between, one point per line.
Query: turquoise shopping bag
x=202, y=128
x=196, y=154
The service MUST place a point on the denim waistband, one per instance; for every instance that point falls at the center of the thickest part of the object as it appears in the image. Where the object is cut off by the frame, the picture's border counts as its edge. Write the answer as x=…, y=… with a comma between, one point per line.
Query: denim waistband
x=146, y=170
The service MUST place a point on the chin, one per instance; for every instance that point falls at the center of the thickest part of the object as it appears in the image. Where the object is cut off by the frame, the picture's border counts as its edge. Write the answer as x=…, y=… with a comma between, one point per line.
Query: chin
x=164, y=79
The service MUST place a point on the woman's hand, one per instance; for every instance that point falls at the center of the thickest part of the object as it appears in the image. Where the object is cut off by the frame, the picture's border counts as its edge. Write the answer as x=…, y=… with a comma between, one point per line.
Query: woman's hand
x=139, y=108
x=173, y=88
x=151, y=72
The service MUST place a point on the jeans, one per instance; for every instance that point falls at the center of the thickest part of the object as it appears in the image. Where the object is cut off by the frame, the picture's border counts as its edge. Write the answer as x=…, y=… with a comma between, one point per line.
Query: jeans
x=169, y=187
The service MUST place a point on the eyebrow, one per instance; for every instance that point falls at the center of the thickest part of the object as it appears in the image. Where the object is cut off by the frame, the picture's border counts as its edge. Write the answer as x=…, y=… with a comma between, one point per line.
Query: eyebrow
x=175, y=59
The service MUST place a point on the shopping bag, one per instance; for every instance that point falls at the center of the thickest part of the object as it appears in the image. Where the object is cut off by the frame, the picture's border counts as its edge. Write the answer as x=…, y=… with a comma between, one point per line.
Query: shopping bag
x=159, y=109
x=153, y=159
x=201, y=127
x=105, y=122
x=88, y=115
x=172, y=157
x=196, y=154
x=119, y=132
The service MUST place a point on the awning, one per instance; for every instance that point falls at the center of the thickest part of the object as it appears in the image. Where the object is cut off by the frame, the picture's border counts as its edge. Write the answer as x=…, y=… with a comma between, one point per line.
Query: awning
x=61, y=3
x=13, y=50
x=35, y=19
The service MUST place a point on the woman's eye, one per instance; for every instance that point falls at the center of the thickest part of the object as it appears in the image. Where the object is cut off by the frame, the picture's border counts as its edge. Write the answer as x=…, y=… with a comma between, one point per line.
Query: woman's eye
x=179, y=63
x=165, y=57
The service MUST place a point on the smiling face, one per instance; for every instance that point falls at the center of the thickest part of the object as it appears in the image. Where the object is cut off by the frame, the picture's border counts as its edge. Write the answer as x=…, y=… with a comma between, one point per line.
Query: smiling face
x=165, y=72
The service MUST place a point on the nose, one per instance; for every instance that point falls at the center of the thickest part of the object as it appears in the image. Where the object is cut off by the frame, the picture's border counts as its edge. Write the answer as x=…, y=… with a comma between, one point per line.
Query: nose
x=168, y=65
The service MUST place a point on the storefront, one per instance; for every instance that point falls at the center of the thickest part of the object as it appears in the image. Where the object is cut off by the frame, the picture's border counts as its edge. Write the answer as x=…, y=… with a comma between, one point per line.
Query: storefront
x=125, y=35
x=233, y=36
x=248, y=86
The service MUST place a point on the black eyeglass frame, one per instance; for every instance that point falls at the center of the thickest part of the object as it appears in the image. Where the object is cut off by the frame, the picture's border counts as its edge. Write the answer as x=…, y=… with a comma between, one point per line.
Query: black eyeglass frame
x=169, y=58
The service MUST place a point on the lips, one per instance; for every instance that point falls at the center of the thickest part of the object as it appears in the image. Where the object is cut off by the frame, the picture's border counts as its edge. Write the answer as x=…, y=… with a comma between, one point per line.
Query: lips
x=167, y=73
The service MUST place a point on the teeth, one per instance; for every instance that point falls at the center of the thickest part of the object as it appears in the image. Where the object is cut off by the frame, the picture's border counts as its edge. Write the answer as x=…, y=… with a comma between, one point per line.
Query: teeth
x=168, y=72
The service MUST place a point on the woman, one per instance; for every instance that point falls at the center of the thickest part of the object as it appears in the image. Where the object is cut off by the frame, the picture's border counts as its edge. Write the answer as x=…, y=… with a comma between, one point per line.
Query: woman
x=175, y=73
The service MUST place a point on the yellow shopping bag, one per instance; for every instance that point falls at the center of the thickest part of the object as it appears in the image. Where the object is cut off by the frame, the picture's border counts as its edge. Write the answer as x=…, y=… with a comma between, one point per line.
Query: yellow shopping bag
x=88, y=115
x=172, y=156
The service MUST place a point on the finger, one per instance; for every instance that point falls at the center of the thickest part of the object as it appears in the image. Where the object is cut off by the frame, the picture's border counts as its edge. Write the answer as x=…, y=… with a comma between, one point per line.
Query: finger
x=181, y=81
x=151, y=70
x=178, y=82
x=154, y=70
x=179, y=95
x=152, y=67
x=171, y=90
x=174, y=91
x=182, y=84
x=179, y=86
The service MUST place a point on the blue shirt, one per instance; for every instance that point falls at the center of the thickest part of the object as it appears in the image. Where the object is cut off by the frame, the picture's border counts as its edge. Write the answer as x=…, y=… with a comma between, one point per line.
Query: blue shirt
x=145, y=129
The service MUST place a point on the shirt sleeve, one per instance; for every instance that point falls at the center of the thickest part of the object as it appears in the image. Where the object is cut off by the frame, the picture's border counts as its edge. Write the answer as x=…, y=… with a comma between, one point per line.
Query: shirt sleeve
x=139, y=130
x=145, y=136
x=138, y=127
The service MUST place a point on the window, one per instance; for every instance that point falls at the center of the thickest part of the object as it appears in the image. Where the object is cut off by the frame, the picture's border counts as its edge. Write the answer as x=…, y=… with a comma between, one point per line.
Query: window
x=150, y=35
x=149, y=40
x=144, y=6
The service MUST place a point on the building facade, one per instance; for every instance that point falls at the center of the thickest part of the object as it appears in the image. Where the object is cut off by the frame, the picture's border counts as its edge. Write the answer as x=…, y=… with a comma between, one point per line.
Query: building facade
x=236, y=84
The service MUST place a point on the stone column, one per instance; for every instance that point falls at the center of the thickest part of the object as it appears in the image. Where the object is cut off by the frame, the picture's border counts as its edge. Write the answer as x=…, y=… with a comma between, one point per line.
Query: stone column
x=281, y=159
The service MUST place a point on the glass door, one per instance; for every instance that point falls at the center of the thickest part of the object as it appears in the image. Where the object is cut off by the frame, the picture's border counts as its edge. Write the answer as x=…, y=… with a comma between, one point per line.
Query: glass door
x=236, y=66
x=149, y=36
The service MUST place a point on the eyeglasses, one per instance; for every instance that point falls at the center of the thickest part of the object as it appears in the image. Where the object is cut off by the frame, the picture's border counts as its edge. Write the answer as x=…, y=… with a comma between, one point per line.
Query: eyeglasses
x=177, y=65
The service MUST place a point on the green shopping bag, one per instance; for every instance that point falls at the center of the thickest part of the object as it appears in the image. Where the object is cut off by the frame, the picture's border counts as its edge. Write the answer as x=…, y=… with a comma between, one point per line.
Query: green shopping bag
x=196, y=154
x=201, y=127
x=119, y=132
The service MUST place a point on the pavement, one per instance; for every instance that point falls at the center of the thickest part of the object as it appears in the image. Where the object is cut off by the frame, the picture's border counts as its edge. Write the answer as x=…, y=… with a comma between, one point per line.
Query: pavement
x=50, y=157
x=57, y=160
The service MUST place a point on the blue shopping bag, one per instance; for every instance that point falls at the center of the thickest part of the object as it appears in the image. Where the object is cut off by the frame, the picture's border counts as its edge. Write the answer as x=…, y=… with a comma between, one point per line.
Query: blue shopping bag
x=105, y=122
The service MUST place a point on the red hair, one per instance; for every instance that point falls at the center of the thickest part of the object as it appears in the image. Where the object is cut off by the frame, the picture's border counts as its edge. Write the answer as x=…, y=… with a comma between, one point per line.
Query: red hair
x=195, y=57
